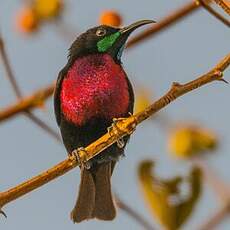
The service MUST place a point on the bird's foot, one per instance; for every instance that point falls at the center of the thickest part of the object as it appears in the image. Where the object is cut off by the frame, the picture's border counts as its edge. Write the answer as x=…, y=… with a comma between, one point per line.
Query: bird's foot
x=115, y=129
x=81, y=159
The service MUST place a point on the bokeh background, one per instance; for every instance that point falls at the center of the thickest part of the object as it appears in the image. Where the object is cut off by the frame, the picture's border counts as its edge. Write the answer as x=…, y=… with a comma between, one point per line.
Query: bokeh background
x=180, y=53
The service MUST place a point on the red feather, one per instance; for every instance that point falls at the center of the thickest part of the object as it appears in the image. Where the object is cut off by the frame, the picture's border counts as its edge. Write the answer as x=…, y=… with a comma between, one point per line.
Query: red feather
x=95, y=86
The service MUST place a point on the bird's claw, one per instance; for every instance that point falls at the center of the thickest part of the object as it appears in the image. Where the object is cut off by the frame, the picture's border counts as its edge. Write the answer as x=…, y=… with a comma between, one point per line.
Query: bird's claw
x=83, y=163
x=3, y=213
x=114, y=128
x=120, y=143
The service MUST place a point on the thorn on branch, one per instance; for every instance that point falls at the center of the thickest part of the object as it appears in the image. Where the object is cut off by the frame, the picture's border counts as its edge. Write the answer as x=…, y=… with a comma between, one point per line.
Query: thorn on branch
x=219, y=74
x=176, y=85
x=223, y=80
x=3, y=213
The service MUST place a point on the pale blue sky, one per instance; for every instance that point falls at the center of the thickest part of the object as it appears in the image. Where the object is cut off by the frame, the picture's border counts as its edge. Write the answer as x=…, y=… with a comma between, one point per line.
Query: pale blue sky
x=180, y=53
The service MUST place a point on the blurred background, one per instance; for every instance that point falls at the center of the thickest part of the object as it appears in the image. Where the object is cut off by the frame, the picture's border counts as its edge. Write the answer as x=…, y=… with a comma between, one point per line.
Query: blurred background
x=182, y=52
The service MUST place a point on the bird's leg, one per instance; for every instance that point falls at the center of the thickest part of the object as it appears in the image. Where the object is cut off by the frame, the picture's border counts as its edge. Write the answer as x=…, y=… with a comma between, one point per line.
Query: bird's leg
x=76, y=154
x=115, y=128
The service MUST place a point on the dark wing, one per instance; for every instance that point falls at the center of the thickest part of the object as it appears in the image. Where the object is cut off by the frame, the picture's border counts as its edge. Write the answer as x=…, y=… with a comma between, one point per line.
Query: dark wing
x=57, y=103
x=131, y=94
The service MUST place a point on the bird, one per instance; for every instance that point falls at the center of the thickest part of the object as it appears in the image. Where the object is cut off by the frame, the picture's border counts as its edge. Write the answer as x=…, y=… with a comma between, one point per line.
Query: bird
x=90, y=91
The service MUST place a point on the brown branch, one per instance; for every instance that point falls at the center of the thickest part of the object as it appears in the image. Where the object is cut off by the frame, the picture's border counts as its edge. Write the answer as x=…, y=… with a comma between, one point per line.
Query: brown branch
x=225, y=6
x=167, y=21
x=26, y=103
x=9, y=72
x=18, y=93
x=178, y=90
x=222, y=192
x=214, y=13
x=220, y=188
x=176, y=16
x=44, y=126
x=37, y=181
x=132, y=213
x=216, y=219
x=121, y=128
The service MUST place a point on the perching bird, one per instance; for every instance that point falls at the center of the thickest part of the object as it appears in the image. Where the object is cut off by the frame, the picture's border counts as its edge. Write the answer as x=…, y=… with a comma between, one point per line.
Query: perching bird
x=91, y=90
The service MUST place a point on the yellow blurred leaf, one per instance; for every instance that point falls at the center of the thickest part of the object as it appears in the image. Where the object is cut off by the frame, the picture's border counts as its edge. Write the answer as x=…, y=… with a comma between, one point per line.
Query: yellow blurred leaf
x=142, y=99
x=47, y=9
x=188, y=140
x=164, y=198
x=186, y=207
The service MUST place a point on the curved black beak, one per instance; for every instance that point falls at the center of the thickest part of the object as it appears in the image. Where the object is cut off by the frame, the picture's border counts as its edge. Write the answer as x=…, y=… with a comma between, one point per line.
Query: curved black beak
x=118, y=47
x=129, y=29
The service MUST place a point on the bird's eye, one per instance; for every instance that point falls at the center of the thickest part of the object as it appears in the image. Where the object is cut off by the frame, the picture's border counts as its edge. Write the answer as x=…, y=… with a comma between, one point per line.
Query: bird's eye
x=100, y=32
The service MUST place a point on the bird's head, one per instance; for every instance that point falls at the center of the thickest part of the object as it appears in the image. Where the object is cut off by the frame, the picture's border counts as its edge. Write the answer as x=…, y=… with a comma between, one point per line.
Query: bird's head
x=104, y=39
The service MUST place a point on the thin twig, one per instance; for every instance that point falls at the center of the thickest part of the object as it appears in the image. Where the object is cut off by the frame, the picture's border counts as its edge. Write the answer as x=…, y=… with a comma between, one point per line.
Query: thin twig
x=223, y=5
x=34, y=100
x=163, y=24
x=121, y=128
x=44, y=126
x=133, y=214
x=18, y=93
x=174, y=17
x=8, y=68
x=216, y=219
x=221, y=189
x=214, y=13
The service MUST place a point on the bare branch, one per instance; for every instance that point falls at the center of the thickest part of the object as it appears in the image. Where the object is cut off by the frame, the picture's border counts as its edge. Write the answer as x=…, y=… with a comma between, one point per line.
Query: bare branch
x=44, y=126
x=120, y=128
x=214, y=13
x=18, y=93
x=223, y=5
x=167, y=21
x=220, y=188
x=222, y=192
x=216, y=219
x=132, y=213
x=26, y=103
x=9, y=72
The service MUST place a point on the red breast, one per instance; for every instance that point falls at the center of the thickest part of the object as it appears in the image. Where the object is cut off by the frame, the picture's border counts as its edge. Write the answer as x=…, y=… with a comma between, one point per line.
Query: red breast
x=95, y=86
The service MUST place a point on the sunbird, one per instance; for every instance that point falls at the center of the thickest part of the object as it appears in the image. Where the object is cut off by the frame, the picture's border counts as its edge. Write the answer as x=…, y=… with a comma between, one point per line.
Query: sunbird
x=91, y=90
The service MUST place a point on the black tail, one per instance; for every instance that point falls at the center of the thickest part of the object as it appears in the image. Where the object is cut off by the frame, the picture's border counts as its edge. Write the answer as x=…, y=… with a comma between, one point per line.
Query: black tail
x=95, y=197
x=86, y=198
